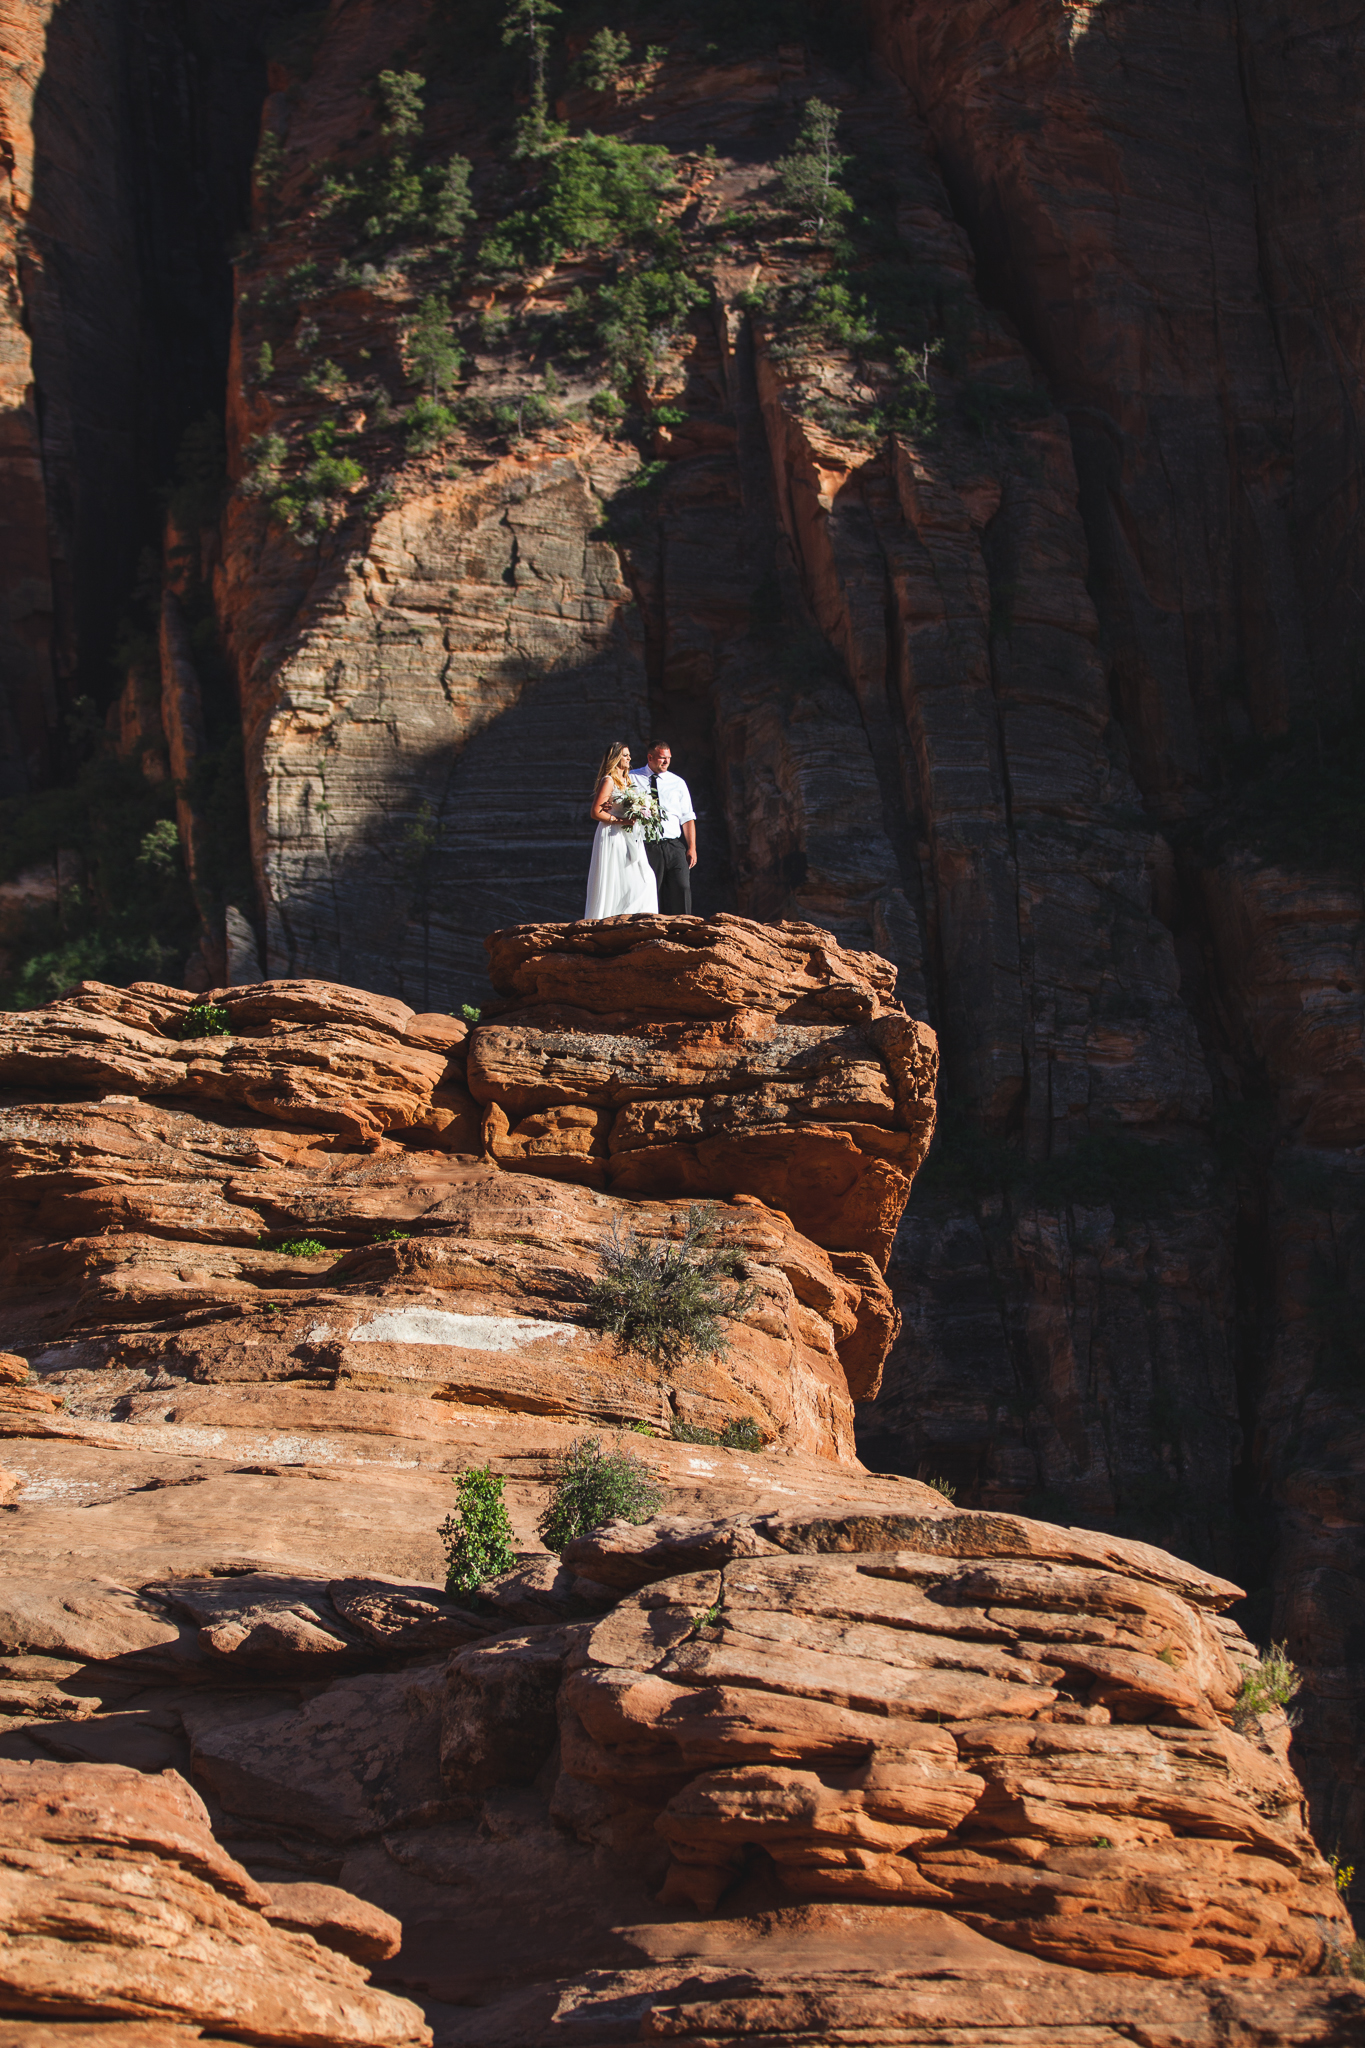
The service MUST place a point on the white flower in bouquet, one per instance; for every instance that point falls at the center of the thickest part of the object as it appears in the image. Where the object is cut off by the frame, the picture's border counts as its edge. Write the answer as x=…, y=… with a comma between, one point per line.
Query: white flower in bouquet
x=635, y=806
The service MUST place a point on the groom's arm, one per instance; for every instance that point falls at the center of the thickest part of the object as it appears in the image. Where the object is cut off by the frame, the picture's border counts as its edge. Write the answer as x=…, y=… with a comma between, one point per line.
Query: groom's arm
x=689, y=825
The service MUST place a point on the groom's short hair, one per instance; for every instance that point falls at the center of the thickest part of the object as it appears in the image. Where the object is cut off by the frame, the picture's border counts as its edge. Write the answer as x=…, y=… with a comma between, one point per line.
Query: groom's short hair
x=655, y=745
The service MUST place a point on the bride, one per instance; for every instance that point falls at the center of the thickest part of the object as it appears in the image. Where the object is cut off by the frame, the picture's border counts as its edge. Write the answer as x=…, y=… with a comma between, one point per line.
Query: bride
x=620, y=880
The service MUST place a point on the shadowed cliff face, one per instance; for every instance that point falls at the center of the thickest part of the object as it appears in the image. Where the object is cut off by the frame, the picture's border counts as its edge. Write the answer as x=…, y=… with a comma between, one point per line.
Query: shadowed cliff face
x=1151, y=191
x=957, y=647
x=1153, y=196
x=126, y=132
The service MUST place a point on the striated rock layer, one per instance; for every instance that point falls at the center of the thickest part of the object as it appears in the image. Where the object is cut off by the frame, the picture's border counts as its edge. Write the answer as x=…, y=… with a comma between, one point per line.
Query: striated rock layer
x=763, y=1772
x=809, y=1749
x=153, y=1219
x=956, y=678
x=795, y=1075
x=1022, y=1725
x=119, y=1904
x=959, y=635
x=894, y=653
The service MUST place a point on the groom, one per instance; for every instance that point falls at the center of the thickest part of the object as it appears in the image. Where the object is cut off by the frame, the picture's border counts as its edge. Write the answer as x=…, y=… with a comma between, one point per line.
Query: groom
x=675, y=855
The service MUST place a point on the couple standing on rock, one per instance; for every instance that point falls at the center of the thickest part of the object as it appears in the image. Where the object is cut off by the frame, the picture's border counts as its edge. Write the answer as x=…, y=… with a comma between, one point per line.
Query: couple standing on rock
x=645, y=847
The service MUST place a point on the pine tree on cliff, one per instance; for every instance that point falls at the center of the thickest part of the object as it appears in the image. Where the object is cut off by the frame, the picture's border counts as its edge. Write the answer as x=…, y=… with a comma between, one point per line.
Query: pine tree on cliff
x=528, y=22
x=808, y=179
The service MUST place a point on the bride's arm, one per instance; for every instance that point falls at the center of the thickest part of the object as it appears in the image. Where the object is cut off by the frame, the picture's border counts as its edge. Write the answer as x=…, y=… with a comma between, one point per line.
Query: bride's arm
x=602, y=802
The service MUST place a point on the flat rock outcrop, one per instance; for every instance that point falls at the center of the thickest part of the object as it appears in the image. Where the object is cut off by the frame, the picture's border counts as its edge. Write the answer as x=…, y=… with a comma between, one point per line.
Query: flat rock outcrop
x=794, y=1076
x=330, y=1192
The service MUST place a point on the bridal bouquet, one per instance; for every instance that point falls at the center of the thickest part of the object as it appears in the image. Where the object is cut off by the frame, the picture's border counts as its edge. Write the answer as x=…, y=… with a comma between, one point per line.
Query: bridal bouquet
x=635, y=806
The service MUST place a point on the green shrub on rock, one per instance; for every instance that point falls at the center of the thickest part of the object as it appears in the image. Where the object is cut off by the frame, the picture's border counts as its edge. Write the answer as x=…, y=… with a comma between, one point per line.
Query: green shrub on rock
x=205, y=1020
x=478, y=1536
x=592, y=1486
x=741, y=1435
x=427, y=425
x=663, y=1300
x=1271, y=1682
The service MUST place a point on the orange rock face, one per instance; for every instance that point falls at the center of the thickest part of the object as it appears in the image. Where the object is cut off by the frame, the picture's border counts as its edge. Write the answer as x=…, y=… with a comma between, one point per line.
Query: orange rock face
x=795, y=1078
x=160, y=1924
x=1026, y=1727
x=158, y=1214
x=297, y=1052
x=959, y=628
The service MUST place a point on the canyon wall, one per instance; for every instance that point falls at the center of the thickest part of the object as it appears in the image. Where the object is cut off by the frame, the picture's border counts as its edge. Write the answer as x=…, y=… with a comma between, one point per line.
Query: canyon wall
x=957, y=652
x=755, y=1729
x=126, y=133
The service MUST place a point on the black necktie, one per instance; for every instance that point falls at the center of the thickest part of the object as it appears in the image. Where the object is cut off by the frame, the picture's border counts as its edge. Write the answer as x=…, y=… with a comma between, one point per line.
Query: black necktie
x=654, y=785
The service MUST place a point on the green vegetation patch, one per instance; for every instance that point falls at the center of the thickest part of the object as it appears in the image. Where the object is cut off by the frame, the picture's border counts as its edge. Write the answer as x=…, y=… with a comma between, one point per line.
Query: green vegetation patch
x=665, y=1300
x=394, y=198
x=120, y=908
x=599, y=192
x=1273, y=1681
x=591, y=1486
x=595, y=194
x=205, y=1020
x=478, y=1535
x=309, y=500
x=741, y=1435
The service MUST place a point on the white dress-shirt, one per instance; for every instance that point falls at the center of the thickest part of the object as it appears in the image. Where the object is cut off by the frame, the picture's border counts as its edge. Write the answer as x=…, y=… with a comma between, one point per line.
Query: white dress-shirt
x=675, y=799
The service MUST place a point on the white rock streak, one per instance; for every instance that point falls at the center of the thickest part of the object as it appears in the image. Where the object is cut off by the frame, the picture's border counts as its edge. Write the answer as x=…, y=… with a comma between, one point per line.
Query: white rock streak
x=470, y=1333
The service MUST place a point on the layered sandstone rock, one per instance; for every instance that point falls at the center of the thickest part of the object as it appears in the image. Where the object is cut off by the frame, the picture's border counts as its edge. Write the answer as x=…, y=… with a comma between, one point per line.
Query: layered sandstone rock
x=796, y=1077
x=309, y=1053
x=1024, y=1726
x=897, y=1768
x=880, y=658
x=120, y=1905
x=905, y=673
x=156, y=1218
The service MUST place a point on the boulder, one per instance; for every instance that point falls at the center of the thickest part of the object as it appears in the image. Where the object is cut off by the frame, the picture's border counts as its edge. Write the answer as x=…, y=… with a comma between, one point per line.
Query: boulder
x=719, y=966
x=336, y=1919
x=119, y=1906
x=300, y=1053
x=1046, y=1750
x=710, y=1057
x=360, y=1756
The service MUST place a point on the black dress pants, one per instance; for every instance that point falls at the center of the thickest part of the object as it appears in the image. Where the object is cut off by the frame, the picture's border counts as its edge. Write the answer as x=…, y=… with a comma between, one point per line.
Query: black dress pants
x=668, y=858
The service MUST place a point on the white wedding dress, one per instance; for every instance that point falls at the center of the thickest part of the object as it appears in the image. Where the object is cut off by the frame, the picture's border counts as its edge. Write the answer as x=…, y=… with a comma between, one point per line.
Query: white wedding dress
x=620, y=879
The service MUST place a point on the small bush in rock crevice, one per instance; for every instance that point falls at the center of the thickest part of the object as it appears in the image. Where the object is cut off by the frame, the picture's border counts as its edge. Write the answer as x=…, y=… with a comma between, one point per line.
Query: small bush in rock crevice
x=303, y=1248
x=1344, y=1959
x=478, y=1536
x=205, y=1020
x=592, y=1486
x=1272, y=1681
x=663, y=1300
x=743, y=1434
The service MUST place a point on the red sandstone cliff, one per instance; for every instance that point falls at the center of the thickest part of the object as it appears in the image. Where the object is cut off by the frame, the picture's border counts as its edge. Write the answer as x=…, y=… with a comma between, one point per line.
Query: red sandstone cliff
x=807, y=1748
x=964, y=687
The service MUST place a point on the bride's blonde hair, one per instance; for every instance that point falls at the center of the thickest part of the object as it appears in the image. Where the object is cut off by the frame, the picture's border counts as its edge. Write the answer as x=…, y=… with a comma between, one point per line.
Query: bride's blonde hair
x=608, y=770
